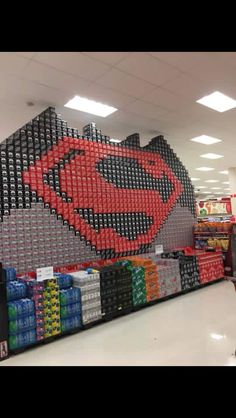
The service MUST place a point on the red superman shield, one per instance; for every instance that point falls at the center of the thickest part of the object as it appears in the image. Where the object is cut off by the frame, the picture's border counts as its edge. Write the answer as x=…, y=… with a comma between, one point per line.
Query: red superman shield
x=129, y=193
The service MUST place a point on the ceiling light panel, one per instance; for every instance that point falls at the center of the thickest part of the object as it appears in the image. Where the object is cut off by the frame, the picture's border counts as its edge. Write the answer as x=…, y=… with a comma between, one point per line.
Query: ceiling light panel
x=224, y=172
x=211, y=156
x=195, y=178
x=205, y=169
x=218, y=101
x=212, y=181
x=90, y=106
x=205, y=139
x=225, y=182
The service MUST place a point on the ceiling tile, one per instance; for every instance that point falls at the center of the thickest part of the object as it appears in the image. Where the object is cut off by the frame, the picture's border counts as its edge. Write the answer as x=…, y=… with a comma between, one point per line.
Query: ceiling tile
x=20, y=91
x=74, y=63
x=145, y=109
x=166, y=99
x=125, y=83
x=28, y=55
x=214, y=71
x=107, y=96
x=110, y=58
x=181, y=60
x=11, y=63
x=148, y=68
x=188, y=87
x=53, y=78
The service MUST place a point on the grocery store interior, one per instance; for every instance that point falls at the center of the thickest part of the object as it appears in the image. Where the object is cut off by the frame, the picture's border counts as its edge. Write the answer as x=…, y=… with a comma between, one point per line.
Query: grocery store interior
x=117, y=209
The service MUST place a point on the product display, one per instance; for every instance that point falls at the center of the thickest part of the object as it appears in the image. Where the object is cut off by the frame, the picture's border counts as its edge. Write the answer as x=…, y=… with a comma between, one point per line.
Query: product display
x=94, y=210
x=70, y=198
x=22, y=323
x=212, y=234
x=116, y=290
x=89, y=285
x=51, y=305
x=70, y=308
x=35, y=293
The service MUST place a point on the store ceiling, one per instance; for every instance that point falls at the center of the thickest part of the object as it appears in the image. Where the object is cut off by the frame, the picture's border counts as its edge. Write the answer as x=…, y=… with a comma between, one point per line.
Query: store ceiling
x=155, y=93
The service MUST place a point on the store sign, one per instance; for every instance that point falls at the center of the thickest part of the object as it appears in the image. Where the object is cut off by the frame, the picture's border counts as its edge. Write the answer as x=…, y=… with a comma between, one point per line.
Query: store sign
x=44, y=273
x=213, y=208
x=158, y=249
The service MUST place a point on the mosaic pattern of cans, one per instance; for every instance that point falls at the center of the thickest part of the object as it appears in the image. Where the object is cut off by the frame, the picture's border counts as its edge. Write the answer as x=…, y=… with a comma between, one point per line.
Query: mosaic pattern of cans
x=113, y=198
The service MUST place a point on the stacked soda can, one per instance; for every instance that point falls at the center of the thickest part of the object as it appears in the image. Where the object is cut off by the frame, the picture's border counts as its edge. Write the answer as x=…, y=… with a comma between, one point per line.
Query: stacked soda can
x=16, y=290
x=116, y=290
x=70, y=308
x=35, y=292
x=138, y=282
x=151, y=277
x=210, y=266
x=22, y=323
x=89, y=284
x=51, y=303
x=108, y=291
x=124, y=289
x=169, y=280
x=189, y=272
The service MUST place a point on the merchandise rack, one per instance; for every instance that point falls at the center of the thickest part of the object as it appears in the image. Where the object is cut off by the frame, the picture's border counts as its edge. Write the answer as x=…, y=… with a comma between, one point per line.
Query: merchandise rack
x=111, y=317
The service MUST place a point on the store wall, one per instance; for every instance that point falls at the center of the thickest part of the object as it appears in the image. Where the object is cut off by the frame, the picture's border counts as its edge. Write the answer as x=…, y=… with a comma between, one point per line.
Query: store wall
x=67, y=199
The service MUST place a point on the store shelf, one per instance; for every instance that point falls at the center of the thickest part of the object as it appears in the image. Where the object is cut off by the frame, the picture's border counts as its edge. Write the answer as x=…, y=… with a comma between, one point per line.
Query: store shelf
x=103, y=321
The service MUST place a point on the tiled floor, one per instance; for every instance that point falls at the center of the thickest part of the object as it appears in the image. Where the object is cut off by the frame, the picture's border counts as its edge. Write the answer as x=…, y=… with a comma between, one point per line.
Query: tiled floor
x=195, y=329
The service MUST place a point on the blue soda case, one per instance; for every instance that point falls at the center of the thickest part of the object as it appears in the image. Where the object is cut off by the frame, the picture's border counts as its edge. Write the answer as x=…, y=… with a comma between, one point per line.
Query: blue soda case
x=71, y=323
x=10, y=274
x=70, y=310
x=22, y=340
x=22, y=324
x=68, y=296
x=21, y=307
x=16, y=290
x=64, y=280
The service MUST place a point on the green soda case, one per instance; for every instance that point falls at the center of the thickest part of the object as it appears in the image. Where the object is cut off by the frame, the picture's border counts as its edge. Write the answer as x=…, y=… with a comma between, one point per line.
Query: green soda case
x=138, y=284
x=139, y=299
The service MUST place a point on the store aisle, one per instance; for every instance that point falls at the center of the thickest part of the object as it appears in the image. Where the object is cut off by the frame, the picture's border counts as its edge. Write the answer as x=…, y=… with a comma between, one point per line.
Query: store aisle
x=194, y=329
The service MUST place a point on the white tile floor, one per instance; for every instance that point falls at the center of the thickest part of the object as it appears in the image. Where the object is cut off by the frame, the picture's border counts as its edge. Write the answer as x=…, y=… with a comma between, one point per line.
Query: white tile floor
x=195, y=329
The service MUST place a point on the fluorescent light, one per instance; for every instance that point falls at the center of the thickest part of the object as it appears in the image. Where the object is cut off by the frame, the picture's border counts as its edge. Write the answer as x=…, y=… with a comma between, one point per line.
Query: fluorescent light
x=90, y=106
x=215, y=188
x=205, y=139
x=211, y=156
x=195, y=178
x=228, y=188
x=218, y=101
x=201, y=187
x=204, y=169
x=206, y=192
x=115, y=140
x=225, y=182
x=224, y=172
x=217, y=336
x=218, y=192
x=211, y=181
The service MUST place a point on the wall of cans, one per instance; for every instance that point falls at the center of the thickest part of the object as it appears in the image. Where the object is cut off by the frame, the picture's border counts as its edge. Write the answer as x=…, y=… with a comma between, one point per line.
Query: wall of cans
x=68, y=198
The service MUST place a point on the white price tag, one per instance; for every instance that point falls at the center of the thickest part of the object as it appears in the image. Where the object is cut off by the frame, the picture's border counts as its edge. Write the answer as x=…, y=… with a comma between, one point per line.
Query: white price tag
x=44, y=273
x=158, y=249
